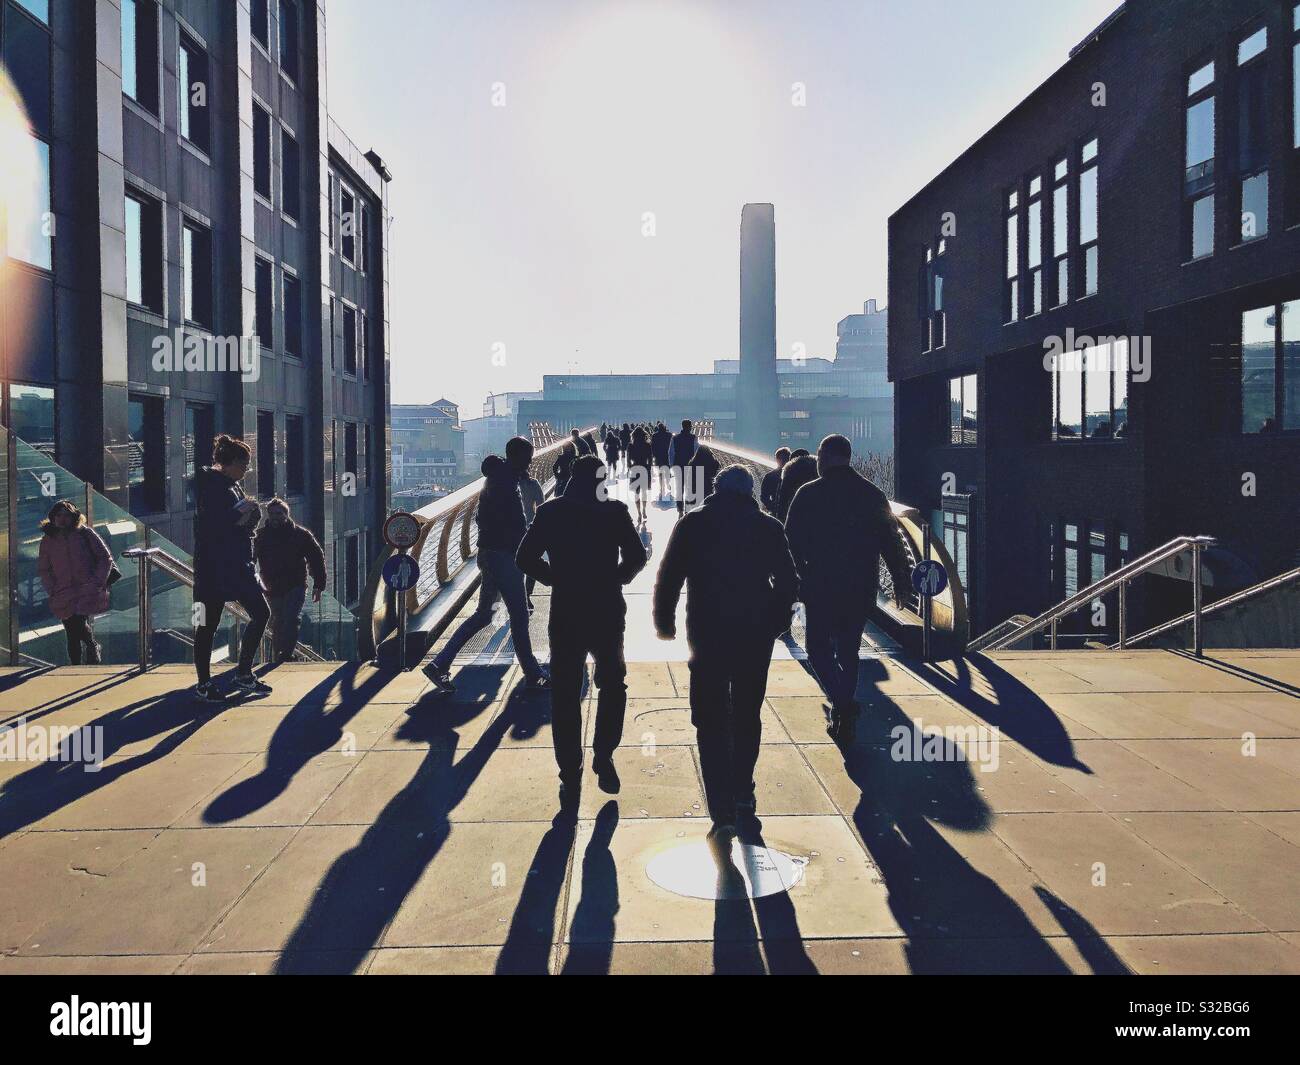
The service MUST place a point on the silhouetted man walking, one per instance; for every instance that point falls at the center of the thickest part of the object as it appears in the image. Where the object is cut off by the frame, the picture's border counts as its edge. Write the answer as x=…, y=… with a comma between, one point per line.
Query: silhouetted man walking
x=740, y=587
x=771, y=490
x=592, y=549
x=839, y=526
x=681, y=449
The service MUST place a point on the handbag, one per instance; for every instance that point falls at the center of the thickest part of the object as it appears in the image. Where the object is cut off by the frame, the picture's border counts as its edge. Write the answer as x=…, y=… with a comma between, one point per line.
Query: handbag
x=114, y=575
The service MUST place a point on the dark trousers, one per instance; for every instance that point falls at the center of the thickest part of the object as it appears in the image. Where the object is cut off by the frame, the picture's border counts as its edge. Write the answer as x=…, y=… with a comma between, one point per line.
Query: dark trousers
x=78, y=630
x=499, y=578
x=255, y=606
x=572, y=639
x=286, y=620
x=727, y=689
x=833, y=640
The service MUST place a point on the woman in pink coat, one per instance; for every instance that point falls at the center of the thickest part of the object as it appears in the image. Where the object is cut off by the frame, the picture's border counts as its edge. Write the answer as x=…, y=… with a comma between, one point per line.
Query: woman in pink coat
x=74, y=566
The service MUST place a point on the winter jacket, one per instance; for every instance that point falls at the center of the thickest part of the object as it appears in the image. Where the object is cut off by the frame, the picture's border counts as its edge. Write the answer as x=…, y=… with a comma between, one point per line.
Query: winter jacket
x=592, y=549
x=739, y=576
x=285, y=553
x=500, y=514
x=682, y=449
x=661, y=440
x=839, y=526
x=624, y=439
x=73, y=566
x=707, y=463
x=639, y=453
x=770, y=491
x=794, y=475
x=223, y=548
x=611, y=448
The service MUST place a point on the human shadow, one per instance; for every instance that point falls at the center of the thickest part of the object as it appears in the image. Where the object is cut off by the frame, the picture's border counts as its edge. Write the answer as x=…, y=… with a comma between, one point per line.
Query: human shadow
x=98, y=683
x=531, y=938
x=1101, y=959
x=308, y=729
x=1016, y=709
x=64, y=778
x=366, y=886
x=591, y=933
x=956, y=918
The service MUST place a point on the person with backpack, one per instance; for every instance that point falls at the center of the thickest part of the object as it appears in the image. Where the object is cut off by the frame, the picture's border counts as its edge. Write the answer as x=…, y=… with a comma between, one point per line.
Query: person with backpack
x=74, y=566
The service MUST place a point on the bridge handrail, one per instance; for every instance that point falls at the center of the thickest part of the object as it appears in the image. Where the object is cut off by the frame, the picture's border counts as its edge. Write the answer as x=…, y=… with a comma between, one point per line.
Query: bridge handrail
x=448, y=540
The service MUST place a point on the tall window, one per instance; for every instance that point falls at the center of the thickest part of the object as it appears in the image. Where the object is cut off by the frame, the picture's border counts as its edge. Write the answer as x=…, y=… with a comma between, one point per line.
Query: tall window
x=925, y=299
x=1011, y=290
x=289, y=38
x=265, y=279
x=1270, y=368
x=963, y=410
x=330, y=212
x=1088, y=216
x=1061, y=232
x=196, y=269
x=261, y=22
x=1252, y=134
x=144, y=258
x=29, y=236
x=350, y=449
x=347, y=223
x=261, y=150
x=295, y=474
x=290, y=177
x=192, y=81
x=140, y=52
x=366, y=452
x=1090, y=392
x=1198, y=162
x=266, y=453
x=197, y=445
x=349, y=340
x=1034, y=244
x=27, y=60
x=292, y=316
x=363, y=345
x=1293, y=163
x=146, y=455
x=956, y=538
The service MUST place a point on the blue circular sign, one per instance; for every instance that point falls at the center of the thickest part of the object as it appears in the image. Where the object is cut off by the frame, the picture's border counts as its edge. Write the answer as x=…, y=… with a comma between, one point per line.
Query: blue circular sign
x=401, y=572
x=929, y=578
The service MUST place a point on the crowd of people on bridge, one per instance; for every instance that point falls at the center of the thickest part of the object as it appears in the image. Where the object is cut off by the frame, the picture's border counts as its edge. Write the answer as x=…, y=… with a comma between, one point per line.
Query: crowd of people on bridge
x=814, y=533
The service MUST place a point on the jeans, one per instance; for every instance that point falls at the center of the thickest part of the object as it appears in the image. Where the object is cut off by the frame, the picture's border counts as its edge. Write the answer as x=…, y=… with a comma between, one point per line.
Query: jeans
x=499, y=577
x=254, y=604
x=286, y=617
x=572, y=639
x=833, y=644
x=727, y=688
x=79, y=633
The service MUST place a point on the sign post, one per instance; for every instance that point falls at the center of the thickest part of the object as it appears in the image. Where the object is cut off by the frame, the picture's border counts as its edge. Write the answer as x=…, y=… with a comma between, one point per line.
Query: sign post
x=401, y=571
x=928, y=579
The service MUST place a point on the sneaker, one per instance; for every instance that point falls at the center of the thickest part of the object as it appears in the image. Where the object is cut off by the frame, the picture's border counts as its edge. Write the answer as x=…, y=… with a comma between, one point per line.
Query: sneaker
x=569, y=796
x=442, y=681
x=250, y=684
x=206, y=693
x=94, y=655
x=748, y=827
x=606, y=774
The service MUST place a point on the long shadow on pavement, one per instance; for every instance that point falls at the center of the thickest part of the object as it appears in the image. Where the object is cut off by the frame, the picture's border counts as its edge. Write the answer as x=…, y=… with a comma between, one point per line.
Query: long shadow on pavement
x=366, y=886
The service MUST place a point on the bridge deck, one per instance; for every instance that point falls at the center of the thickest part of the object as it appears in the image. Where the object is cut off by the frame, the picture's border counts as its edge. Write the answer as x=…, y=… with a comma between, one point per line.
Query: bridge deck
x=352, y=822
x=493, y=644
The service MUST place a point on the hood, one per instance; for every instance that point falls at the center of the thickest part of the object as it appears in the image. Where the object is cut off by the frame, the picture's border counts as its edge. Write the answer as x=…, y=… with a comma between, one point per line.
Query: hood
x=584, y=480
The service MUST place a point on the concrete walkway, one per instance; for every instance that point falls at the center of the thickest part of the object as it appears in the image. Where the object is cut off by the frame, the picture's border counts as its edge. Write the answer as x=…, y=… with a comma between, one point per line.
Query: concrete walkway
x=1139, y=812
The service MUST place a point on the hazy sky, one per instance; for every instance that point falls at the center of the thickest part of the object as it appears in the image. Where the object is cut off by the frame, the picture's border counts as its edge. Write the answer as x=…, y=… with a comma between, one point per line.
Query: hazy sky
x=522, y=225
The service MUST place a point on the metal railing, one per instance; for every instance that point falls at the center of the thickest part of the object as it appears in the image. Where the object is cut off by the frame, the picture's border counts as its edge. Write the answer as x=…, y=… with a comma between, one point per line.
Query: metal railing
x=447, y=543
x=147, y=558
x=999, y=638
x=1235, y=599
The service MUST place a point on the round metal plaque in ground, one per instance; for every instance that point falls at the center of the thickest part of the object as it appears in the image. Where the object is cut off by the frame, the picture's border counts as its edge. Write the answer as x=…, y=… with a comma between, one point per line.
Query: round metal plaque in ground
x=698, y=871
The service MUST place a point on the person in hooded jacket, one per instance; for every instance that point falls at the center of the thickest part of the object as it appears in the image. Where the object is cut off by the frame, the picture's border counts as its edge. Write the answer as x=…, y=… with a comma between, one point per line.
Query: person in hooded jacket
x=591, y=550
x=740, y=588
x=224, y=524
x=563, y=465
x=501, y=523
x=285, y=551
x=661, y=440
x=700, y=474
x=73, y=565
x=770, y=495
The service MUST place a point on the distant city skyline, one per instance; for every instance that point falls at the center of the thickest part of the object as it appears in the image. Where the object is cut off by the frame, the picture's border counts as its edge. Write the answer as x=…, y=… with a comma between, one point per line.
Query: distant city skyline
x=517, y=233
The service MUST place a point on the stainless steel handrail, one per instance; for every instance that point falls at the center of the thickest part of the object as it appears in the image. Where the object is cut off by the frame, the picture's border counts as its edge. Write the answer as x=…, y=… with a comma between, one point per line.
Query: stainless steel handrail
x=1119, y=579
x=1243, y=596
x=181, y=571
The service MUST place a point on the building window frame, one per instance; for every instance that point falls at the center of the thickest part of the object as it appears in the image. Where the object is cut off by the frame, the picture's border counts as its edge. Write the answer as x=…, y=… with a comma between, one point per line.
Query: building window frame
x=963, y=399
x=1012, y=246
x=1200, y=179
